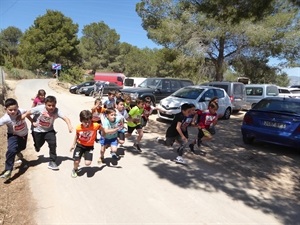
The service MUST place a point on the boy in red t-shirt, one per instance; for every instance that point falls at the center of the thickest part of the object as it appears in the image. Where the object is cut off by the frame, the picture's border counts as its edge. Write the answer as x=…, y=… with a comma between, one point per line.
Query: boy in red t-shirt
x=207, y=122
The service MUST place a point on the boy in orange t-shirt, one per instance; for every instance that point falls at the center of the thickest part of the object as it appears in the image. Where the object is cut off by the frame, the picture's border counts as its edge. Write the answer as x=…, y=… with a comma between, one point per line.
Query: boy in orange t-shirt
x=85, y=136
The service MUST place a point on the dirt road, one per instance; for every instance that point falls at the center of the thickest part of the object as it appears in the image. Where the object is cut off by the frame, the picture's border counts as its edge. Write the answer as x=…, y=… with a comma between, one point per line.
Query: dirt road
x=233, y=184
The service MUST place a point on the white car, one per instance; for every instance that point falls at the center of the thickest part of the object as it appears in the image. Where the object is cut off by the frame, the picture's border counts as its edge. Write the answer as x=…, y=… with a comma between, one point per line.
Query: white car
x=289, y=92
x=197, y=95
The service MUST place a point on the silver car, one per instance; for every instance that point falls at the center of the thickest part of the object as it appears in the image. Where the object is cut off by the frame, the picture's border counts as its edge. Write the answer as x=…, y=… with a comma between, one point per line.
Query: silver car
x=197, y=95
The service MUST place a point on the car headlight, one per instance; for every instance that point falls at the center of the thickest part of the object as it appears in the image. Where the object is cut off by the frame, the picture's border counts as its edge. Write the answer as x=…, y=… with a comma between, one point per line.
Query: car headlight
x=134, y=95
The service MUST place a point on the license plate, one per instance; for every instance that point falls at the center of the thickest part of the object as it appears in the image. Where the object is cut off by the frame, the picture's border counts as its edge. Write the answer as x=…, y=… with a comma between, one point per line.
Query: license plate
x=274, y=124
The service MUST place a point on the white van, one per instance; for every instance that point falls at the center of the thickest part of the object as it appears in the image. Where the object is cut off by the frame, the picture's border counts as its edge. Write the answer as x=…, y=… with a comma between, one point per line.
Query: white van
x=131, y=82
x=256, y=92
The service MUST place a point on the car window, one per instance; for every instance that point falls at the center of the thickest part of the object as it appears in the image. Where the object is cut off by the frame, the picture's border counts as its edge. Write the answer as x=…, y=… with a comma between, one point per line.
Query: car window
x=272, y=91
x=129, y=82
x=175, y=85
x=189, y=93
x=238, y=89
x=209, y=94
x=166, y=85
x=284, y=91
x=220, y=93
x=254, y=91
x=277, y=105
x=185, y=83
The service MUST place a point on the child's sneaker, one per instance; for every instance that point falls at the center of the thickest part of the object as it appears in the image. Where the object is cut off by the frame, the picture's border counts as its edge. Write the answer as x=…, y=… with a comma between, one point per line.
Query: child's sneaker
x=114, y=155
x=74, y=173
x=179, y=159
x=6, y=175
x=137, y=146
x=52, y=165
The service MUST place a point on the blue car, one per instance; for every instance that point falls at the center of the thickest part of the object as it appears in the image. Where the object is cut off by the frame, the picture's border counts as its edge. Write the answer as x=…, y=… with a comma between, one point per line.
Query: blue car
x=273, y=120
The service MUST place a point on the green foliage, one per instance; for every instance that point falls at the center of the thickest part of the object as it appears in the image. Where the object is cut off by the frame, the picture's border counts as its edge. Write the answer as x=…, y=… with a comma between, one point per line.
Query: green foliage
x=52, y=39
x=9, y=40
x=72, y=75
x=99, y=46
x=222, y=30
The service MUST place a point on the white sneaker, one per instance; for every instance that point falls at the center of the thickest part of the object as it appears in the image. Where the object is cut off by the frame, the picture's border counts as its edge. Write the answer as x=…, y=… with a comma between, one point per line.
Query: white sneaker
x=179, y=159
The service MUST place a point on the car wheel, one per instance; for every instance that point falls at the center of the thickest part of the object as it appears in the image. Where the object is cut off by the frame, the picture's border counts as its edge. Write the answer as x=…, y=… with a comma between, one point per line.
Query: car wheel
x=227, y=114
x=247, y=140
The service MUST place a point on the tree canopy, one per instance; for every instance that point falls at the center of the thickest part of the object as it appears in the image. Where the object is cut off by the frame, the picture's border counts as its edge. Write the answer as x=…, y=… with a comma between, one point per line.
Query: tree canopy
x=51, y=39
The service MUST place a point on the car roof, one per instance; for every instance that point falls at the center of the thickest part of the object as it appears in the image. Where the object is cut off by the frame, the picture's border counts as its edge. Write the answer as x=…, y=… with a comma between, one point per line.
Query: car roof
x=223, y=82
x=259, y=85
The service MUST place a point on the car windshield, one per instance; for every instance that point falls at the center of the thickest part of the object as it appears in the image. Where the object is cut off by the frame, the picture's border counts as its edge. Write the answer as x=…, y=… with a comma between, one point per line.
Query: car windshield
x=188, y=92
x=278, y=106
x=150, y=83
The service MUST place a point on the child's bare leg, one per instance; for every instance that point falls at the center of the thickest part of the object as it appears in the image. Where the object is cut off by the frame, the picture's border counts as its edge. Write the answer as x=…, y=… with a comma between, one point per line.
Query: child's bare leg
x=140, y=135
x=76, y=164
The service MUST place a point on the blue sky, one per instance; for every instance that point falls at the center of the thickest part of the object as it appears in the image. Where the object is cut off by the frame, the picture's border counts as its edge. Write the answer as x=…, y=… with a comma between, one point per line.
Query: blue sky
x=117, y=14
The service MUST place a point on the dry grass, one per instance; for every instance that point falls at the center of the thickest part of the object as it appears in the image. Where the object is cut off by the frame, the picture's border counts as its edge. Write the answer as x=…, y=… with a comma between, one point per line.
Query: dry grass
x=16, y=205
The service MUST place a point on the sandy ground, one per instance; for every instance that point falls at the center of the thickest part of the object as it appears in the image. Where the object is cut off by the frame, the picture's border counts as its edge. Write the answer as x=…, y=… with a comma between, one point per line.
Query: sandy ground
x=233, y=184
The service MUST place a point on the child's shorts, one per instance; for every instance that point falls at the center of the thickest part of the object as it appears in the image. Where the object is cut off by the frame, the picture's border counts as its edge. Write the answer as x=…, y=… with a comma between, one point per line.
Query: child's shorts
x=204, y=133
x=80, y=150
x=121, y=136
x=170, y=140
x=131, y=129
x=109, y=142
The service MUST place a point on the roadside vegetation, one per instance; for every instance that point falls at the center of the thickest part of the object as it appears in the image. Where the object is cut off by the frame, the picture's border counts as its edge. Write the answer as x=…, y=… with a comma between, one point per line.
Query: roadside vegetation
x=201, y=40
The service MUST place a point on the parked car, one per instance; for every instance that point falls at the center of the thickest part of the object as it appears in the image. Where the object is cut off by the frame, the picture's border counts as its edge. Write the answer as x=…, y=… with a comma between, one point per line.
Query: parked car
x=75, y=88
x=199, y=96
x=256, y=92
x=273, y=120
x=89, y=90
x=156, y=88
x=236, y=92
x=295, y=92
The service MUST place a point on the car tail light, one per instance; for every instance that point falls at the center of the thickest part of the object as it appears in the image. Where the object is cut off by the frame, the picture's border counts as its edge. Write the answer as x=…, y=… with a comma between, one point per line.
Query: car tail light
x=231, y=98
x=248, y=119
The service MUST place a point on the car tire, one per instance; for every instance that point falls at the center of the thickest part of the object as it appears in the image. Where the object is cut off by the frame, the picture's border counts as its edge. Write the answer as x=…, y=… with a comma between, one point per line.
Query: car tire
x=247, y=140
x=227, y=114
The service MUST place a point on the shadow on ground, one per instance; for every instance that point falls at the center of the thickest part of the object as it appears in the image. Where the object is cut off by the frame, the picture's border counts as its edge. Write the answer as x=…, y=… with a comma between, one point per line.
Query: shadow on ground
x=263, y=176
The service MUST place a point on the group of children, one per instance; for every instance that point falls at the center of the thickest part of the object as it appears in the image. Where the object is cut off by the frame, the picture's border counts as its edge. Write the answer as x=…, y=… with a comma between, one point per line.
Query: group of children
x=105, y=120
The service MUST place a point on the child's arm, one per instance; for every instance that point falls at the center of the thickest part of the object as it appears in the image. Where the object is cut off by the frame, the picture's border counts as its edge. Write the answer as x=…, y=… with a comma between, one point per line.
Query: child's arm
x=74, y=142
x=111, y=130
x=68, y=122
x=178, y=128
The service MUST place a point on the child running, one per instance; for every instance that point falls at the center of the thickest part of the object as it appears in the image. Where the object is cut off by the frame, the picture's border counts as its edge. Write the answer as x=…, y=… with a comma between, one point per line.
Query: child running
x=40, y=98
x=134, y=122
x=178, y=130
x=17, y=132
x=148, y=109
x=43, y=129
x=111, y=125
x=85, y=136
x=111, y=101
x=97, y=111
x=122, y=113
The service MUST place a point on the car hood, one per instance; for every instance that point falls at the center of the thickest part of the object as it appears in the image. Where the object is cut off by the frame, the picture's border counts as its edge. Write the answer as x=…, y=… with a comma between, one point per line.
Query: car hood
x=172, y=102
x=134, y=90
